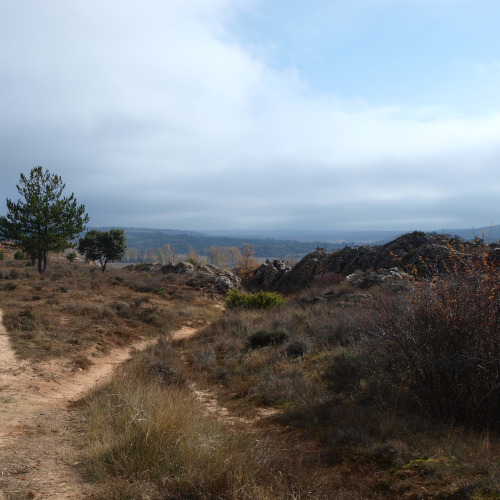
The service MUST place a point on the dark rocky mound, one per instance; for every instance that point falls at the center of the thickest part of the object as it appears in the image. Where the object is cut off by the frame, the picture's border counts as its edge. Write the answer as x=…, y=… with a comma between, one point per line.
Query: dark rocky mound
x=409, y=252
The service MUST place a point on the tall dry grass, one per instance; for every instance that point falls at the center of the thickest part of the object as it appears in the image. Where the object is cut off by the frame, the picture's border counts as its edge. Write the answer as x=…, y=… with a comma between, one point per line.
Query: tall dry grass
x=147, y=436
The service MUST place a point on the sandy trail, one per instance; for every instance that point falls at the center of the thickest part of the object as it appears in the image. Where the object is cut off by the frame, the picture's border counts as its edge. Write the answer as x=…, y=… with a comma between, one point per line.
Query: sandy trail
x=36, y=423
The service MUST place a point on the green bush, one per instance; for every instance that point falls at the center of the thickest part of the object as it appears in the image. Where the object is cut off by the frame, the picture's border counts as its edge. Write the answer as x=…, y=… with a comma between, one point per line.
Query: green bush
x=71, y=256
x=2, y=255
x=24, y=320
x=8, y=286
x=297, y=349
x=264, y=337
x=19, y=255
x=259, y=300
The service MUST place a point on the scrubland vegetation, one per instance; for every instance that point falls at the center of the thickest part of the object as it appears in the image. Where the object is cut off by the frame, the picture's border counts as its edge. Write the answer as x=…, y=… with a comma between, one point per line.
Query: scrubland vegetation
x=336, y=392
x=74, y=311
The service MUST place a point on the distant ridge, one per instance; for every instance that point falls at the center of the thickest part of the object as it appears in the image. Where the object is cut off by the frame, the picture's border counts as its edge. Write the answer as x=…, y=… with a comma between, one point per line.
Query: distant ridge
x=282, y=243
x=148, y=230
x=362, y=237
x=145, y=239
x=335, y=237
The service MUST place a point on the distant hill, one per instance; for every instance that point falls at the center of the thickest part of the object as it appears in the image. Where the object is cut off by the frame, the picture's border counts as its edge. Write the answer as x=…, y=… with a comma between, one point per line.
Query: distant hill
x=144, y=239
x=281, y=244
x=313, y=235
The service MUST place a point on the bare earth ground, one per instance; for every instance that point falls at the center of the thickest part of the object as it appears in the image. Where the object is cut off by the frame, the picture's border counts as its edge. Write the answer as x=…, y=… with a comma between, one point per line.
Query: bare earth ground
x=37, y=421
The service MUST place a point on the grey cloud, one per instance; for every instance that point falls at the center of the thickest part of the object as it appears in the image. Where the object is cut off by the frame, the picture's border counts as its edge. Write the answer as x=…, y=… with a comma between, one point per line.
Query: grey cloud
x=155, y=116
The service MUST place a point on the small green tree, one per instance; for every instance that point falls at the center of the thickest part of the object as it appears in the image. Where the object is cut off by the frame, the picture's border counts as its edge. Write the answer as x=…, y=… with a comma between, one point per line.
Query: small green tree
x=44, y=220
x=104, y=246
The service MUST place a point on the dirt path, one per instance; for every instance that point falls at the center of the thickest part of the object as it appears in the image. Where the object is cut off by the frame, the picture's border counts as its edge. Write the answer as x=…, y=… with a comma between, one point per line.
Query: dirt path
x=209, y=398
x=37, y=423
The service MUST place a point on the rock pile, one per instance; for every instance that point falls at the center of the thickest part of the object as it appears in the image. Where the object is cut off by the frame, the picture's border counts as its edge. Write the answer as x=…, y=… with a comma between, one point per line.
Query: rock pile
x=205, y=276
x=393, y=278
x=179, y=268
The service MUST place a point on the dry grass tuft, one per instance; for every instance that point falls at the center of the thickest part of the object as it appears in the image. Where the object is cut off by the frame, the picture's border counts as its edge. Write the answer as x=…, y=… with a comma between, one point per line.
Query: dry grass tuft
x=151, y=437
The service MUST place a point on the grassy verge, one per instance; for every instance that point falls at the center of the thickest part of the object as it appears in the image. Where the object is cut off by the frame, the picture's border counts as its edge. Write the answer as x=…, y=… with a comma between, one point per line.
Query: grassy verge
x=149, y=437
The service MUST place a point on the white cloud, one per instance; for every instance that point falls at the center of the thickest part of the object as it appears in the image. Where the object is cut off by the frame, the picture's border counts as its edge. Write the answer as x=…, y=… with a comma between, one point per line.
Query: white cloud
x=154, y=112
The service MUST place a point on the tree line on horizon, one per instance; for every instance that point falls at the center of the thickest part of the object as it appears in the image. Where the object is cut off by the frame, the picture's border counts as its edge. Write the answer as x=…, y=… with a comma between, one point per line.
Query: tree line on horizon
x=150, y=245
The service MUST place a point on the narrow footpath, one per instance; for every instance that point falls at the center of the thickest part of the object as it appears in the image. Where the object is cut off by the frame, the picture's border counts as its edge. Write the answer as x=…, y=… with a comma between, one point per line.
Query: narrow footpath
x=38, y=421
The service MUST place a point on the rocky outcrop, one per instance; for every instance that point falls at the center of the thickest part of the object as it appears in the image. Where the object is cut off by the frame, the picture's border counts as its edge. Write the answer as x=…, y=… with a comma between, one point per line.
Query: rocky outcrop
x=267, y=274
x=179, y=268
x=205, y=276
x=226, y=281
x=144, y=267
x=408, y=252
x=394, y=278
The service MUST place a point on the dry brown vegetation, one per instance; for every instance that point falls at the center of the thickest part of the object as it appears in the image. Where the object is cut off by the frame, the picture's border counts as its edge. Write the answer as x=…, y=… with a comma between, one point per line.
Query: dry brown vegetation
x=73, y=311
x=308, y=400
x=354, y=397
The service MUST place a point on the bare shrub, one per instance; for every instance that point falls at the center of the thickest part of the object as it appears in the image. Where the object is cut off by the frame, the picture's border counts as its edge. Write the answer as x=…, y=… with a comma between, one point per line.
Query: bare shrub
x=443, y=341
x=289, y=388
x=345, y=371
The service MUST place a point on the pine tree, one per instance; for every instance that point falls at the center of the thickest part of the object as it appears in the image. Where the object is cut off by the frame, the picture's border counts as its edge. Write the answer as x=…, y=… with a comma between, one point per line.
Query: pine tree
x=44, y=220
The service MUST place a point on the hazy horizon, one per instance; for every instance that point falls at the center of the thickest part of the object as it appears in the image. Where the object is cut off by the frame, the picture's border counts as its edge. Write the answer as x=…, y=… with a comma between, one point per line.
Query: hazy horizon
x=330, y=235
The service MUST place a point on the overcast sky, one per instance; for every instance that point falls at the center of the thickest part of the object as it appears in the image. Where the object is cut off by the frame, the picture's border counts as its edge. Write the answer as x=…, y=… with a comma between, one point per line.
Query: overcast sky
x=271, y=114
